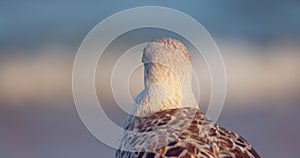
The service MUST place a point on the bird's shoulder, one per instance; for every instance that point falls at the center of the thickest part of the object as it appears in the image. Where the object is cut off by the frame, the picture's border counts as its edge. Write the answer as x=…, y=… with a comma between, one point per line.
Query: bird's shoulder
x=183, y=132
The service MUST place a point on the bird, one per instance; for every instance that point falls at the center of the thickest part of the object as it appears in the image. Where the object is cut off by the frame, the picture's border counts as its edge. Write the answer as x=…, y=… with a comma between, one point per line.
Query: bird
x=165, y=119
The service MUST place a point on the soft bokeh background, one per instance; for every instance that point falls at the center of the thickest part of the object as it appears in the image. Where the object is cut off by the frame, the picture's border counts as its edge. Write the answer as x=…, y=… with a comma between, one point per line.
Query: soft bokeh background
x=260, y=43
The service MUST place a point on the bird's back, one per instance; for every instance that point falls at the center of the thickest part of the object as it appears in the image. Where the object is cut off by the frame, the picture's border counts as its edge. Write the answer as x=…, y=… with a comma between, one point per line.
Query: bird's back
x=182, y=132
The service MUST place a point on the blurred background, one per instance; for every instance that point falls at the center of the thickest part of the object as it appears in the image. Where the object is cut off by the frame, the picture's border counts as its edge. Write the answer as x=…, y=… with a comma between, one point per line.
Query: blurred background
x=259, y=41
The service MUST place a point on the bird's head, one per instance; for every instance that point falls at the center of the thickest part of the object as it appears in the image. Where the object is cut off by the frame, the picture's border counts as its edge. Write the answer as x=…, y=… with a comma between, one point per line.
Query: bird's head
x=166, y=56
x=167, y=77
x=169, y=48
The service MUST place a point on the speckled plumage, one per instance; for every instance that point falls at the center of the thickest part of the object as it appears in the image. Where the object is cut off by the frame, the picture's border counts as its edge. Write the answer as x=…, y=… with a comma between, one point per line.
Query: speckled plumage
x=201, y=138
x=165, y=120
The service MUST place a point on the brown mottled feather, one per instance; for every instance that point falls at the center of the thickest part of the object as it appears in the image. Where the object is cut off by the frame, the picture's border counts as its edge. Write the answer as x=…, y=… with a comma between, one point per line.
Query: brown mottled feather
x=201, y=138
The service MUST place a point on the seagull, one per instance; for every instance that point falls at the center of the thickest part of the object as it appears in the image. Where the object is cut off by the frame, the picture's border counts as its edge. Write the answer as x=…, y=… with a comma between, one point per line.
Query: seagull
x=165, y=120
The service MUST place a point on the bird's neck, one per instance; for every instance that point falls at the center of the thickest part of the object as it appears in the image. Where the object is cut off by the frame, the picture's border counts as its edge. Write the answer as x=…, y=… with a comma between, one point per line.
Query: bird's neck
x=164, y=89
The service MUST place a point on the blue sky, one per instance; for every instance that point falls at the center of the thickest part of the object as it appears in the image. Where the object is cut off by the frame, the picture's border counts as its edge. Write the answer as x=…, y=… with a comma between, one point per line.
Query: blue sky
x=32, y=23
